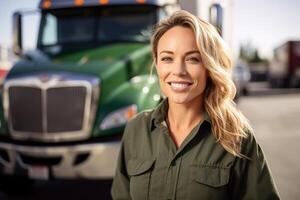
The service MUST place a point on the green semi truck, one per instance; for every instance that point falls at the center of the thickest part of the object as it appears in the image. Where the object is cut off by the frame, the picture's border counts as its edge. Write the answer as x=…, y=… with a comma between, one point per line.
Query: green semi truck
x=64, y=105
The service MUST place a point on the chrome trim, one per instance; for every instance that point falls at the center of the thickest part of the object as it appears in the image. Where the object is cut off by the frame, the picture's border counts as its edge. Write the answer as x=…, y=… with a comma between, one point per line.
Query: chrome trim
x=54, y=82
x=101, y=163
x=44, y=110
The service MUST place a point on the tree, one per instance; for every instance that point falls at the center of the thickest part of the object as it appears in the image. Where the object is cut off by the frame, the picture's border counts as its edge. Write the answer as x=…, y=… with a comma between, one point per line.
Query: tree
x=249, y=53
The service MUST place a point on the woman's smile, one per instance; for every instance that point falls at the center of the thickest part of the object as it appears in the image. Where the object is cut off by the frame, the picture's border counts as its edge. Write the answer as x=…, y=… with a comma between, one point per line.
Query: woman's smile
x=180, y=86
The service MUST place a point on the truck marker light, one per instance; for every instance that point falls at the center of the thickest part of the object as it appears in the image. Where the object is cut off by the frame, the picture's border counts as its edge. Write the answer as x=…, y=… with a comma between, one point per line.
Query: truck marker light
x=132, y=110
x=79, y=2
x=140, y=1
x=46, y=4
x=103, y=1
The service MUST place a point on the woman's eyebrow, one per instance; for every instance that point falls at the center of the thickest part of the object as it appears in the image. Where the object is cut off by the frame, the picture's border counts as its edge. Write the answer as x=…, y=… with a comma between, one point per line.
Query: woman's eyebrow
x=187, y=53
x=191, y=52
x=169, y=52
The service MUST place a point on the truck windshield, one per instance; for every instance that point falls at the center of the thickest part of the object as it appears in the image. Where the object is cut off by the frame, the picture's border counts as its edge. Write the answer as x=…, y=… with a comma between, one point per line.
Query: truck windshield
x=96, y=25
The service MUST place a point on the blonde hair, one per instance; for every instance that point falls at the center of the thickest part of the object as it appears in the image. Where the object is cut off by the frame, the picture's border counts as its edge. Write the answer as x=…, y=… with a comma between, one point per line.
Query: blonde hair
x=229, y=125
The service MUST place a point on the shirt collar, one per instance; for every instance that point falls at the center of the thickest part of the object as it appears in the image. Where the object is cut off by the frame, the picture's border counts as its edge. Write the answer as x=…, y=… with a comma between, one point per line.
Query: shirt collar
x=160, y=114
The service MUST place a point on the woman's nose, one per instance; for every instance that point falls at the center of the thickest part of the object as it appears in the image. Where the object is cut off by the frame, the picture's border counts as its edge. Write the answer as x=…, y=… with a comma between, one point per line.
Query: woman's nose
x=179, y=68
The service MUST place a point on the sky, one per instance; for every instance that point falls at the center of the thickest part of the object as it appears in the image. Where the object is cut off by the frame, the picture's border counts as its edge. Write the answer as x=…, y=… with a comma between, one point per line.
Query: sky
x=264, y=23
x=7, y=8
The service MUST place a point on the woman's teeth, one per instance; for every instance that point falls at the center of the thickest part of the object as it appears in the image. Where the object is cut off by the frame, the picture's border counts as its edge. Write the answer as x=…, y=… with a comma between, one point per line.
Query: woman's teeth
x=179, y=86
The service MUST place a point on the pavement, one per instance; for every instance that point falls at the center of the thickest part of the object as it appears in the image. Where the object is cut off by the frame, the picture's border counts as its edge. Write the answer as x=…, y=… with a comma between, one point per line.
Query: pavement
x=274, y=115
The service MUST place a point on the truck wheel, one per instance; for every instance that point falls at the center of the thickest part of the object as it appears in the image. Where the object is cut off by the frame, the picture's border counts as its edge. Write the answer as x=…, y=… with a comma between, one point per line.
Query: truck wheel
x=274, y=82
x=237, y=96
x=286, y=83
x=15, y=185
x=245, y=91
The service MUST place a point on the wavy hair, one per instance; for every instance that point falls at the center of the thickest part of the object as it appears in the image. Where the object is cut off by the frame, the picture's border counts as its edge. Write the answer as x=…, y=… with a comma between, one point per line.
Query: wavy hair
x=229, y=125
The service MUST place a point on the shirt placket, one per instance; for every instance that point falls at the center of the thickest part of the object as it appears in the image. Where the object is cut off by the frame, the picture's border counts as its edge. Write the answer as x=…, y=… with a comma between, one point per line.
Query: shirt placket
x=173, y=177
x=170, y=177
x=175, y=164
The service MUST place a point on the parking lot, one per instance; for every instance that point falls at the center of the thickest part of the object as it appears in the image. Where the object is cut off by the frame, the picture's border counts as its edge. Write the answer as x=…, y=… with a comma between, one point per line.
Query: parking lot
x=274, y=115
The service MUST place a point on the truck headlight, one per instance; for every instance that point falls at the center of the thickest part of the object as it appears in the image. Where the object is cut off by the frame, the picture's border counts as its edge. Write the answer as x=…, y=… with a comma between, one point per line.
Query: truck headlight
x=118, y=117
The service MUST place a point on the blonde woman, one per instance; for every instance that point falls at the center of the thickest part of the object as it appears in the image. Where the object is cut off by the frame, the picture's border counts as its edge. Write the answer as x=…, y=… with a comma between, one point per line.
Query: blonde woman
x=195, y=144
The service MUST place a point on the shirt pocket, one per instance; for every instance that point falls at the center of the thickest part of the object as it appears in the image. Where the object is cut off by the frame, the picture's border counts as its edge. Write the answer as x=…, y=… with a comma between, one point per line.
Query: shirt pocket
x=140, y=175
x=208, y=182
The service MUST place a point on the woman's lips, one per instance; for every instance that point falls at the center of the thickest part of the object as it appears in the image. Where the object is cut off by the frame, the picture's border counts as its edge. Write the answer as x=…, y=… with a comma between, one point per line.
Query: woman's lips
x=180, y=86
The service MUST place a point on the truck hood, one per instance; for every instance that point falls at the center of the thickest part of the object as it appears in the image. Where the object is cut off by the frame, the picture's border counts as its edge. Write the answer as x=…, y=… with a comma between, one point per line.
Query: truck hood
x=105, y=55
x=94, y=61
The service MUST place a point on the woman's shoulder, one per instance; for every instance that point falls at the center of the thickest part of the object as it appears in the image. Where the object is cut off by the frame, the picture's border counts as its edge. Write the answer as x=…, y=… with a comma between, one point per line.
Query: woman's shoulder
x=249, y=143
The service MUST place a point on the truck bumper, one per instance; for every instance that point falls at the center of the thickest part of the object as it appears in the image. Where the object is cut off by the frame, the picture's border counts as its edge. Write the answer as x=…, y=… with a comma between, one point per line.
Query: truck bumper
x=87, y=161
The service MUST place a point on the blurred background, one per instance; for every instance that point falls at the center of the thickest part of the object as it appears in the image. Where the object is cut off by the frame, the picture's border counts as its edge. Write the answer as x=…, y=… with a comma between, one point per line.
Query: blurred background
x=264, y=37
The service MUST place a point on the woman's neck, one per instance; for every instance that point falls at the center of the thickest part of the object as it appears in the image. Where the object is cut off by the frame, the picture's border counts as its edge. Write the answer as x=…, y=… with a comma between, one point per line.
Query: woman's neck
x=185, y=116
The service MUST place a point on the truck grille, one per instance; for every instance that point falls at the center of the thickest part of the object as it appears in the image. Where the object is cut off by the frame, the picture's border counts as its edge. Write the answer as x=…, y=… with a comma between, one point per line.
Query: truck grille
x=26, y=109
x=64, y=109
x=59, y=111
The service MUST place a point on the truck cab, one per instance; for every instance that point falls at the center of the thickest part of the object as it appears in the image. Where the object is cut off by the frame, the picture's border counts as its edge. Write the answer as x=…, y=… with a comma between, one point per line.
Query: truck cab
x=64, y=105
x=284, y=70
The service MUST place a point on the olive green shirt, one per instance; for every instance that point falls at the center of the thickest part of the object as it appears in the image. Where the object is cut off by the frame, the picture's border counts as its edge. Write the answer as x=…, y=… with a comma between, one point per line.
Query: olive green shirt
x=151, y=167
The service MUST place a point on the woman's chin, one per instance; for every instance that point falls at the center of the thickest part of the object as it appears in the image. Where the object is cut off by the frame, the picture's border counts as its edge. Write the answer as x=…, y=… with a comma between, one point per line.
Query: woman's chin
x=179, y=99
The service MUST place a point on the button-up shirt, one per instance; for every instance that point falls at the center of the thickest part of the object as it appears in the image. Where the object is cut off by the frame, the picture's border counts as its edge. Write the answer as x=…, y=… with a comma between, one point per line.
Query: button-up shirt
x=150, y=166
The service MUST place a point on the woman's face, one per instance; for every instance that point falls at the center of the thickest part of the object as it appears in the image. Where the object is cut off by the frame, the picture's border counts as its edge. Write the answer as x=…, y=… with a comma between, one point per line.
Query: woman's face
x=182, y=76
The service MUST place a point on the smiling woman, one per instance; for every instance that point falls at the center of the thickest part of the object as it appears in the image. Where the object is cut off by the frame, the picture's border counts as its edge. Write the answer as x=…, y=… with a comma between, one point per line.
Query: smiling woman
x=196, y=144
x=181, y=73
x=182, y=77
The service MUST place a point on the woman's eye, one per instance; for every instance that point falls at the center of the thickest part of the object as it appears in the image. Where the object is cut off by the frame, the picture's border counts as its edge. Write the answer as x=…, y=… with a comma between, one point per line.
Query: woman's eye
x=166, y=59
x=193, y=59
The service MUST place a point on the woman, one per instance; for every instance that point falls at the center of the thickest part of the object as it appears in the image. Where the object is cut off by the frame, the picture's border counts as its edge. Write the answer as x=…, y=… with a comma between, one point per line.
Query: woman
x=195, y=144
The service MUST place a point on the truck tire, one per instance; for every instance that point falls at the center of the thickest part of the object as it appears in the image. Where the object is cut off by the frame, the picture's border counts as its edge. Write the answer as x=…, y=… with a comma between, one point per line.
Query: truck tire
x=271, y=82
x=15, y=185
x=245, y=91
x=286, y=82
x=275, y=82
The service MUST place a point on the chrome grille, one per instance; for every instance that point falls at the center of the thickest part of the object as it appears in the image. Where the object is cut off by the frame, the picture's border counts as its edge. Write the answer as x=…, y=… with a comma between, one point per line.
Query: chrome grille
x=65, y=109
x=26, y=109
x=54, y=110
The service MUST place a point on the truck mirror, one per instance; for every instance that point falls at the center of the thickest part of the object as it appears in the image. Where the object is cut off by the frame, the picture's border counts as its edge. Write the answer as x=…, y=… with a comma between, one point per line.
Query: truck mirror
x=216, y=16
x=17, y=33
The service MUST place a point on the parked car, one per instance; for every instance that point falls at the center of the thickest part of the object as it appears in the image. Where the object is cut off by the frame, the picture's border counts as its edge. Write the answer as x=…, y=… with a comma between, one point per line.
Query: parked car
x=241, y=77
